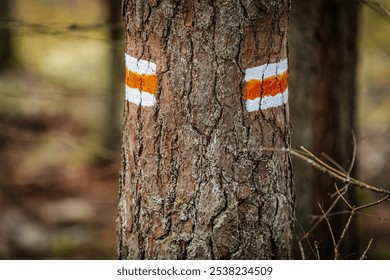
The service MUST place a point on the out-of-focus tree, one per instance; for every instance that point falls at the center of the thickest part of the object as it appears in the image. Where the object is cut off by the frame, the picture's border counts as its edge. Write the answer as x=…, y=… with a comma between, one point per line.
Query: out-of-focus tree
x=303, y=71
x=111, y=130
x=334, y=110
x=7, y=58
x=323, y=79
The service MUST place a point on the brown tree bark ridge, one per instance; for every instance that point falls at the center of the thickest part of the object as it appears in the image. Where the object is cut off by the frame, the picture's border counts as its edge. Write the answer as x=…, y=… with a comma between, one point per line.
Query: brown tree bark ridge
x=194, y=182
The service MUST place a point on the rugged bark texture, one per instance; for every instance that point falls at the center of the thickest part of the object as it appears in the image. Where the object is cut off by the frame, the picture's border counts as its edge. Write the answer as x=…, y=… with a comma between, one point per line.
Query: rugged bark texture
x=334, y=107
x=195, y=183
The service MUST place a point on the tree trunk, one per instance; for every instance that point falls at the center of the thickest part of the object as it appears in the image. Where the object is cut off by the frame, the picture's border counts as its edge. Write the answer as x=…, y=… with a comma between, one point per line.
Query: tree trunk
x=112, y=117
x=206, y=89
x=6, y=49
x=334, y=109
x=303, y=67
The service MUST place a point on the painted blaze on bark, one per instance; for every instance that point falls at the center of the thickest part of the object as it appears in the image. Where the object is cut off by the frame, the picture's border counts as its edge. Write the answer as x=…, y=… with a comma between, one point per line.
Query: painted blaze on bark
x=194, y=182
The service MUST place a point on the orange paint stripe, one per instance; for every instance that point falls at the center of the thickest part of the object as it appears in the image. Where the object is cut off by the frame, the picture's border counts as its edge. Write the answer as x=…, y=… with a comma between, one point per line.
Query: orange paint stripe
x=143, y=82
x=270, y=86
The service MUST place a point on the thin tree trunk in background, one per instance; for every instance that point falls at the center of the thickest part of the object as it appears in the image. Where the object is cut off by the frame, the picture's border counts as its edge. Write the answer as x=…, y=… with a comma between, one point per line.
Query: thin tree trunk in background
x=303, y=74
x=6, y=48
x=6, y=61
x=112, y=130
x=195, y=183
x=334, y=109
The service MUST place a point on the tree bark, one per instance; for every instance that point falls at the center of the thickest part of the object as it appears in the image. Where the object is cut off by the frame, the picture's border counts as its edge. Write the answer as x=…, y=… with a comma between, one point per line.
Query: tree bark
x=195, y=181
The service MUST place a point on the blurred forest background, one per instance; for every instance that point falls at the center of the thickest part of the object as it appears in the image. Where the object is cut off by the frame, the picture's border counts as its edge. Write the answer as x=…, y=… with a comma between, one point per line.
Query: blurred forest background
x=61, y=101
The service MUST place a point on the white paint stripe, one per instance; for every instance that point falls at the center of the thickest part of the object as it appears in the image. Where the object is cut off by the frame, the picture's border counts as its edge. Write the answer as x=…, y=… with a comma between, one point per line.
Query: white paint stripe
x=140, y=66
x=266, y=70
x=140, y=98
x=267, y=102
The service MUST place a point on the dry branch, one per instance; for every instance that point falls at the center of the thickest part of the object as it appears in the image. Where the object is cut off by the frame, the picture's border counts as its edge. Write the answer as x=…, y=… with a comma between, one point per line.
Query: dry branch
x=341, y=174
x=313, y=160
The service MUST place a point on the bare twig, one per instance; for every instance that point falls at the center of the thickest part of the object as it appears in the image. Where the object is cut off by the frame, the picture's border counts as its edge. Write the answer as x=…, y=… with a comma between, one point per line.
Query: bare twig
x=332, y=161
x=336, y=254
x=348, y=212
x=342, y=197
x=307, y=240
x=365, y=251
x=339, y=173
x=321, y=218
x=343, y=191
x=301, y=250
x=336, y=249
x=317, y=163
x=322, y=163
x=317, y=251
x=373, y=203
x=353, y=154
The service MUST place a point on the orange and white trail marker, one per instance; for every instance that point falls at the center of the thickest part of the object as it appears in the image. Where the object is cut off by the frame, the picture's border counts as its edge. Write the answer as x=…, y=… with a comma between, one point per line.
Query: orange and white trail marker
x=141, y=81
x=266, y=86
